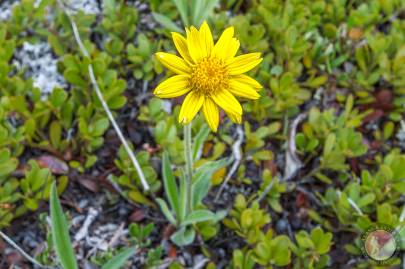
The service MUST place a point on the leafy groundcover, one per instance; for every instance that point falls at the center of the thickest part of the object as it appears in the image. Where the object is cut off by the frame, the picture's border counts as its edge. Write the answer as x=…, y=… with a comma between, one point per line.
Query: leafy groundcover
x=313, y=163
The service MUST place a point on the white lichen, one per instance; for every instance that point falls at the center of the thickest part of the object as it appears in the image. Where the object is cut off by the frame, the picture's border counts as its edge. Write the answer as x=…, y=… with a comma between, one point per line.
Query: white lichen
x=40, y=64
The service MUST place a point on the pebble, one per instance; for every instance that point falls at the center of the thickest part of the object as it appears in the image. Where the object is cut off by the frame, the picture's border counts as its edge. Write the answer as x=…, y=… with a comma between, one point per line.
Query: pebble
x=83, y=203
x=281, y=226
x=122, y=211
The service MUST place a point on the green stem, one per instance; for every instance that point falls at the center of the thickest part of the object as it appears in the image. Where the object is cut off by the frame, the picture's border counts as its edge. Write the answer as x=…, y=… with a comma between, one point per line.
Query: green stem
x=189, y=163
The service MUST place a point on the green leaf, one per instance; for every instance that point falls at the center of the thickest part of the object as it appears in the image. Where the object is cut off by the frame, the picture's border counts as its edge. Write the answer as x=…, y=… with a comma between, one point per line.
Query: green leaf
x=55, y=133
x=388, y=129
x=58, y=97
x=202, y=14
x=60, y=233
x=196, y=8
x=138, y=197
x=120, y=259
x=109, y=6
x=321, y=240
x=55, y=44
x=329, y=144
x=316, y=82
x=182, y=8
x=366, y=199
x=183, y=197
x=166, y=211
x=7, y=164
x=202, y=179
x=199, y=141
x=348, y=106
x=166, y=22
x=100, y=126
x=280, y=250
x=303, y=240
x=117, y=102
x=198, y=216
x=73, y=77
x=183, y=236
x=170, y=184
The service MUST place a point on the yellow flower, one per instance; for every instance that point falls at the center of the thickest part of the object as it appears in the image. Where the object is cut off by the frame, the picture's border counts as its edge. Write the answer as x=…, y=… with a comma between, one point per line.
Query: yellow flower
x=211, y=75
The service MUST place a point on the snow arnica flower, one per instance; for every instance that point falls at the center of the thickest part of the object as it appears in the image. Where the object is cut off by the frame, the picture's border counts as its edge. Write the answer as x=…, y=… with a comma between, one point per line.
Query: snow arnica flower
x=211, y=75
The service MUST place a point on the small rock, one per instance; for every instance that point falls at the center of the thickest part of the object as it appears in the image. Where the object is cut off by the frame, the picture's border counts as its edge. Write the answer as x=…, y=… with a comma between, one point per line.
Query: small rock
x=281, y=226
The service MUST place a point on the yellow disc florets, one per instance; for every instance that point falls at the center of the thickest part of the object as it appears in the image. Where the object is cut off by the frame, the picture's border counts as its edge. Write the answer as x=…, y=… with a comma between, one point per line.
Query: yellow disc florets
x=209, y=75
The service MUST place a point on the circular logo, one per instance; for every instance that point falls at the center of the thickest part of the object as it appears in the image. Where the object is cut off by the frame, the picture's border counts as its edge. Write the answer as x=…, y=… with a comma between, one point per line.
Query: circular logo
x=380, y=243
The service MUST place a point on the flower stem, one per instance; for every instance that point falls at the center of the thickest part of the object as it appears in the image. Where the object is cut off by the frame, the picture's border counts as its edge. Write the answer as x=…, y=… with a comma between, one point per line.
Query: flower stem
x=189, y=163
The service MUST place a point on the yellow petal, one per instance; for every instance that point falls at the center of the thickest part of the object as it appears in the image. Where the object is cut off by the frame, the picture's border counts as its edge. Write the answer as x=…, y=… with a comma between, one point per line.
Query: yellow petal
x=248, y=81
x=174, y=63
x=173, y=87
x=191, y=105
x=194, y=43
x=236, y=118
x=221, y=47
x=243, y=63
x=233, y=47
x=206, y=39
x=211, y=113
x=181, y=45
x=227, y=101
x=242, y=90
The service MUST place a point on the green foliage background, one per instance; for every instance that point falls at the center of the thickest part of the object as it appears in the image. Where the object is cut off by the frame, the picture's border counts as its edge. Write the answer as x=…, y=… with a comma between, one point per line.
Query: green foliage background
x=340, y=62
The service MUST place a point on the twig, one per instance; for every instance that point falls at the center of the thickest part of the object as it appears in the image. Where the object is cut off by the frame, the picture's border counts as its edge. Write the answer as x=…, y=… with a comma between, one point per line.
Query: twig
x=310, y=195
x=164, y=264
x=237, y=155
x=103, y=102
x=267, y=190
x=84, y=230
x=292, y=162
x=25, y=254
x=352, y=203
x=401, y=219
x=402, y=216
x=201, y=263
x=116, y=235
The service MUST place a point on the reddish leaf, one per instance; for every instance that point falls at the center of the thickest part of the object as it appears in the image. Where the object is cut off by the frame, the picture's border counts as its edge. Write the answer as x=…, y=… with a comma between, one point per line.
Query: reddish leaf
x=301, y=200
x=68, y=155
x=376, y=145
x=272, y=166
x=55, y=165
x=354, y=165
x=355, y=34
x=373, y=116
x=14, y=258
x=168, y=231
x=89, y=184
x=2, y=245
x=150, y=149
x=137, y=216
x=172, y=252
x=384, y=100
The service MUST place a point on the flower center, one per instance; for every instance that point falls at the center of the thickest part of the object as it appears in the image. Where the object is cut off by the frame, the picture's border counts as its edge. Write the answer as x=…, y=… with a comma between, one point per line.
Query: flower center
x=209, y=75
